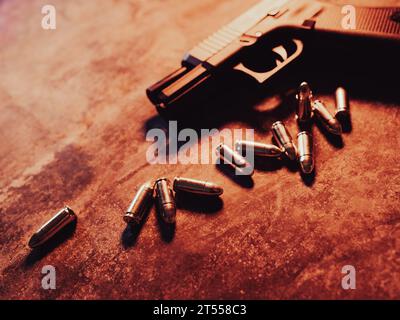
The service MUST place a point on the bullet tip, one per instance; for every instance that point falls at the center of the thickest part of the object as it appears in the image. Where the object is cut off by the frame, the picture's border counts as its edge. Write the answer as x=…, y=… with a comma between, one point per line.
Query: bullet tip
x=304, y=88
x=169, y=213
x=306, y=164
x=128, y=218
x=291, y=152
x=216, y=190
x=34, y=241
x=335, y=127
x=248, y=170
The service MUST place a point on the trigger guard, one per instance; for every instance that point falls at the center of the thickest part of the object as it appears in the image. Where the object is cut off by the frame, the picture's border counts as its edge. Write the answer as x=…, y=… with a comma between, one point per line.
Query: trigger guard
x=263, y=76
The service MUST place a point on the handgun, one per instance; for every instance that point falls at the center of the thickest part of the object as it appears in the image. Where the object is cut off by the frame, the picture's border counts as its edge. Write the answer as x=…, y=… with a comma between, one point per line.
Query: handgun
x=285, y=27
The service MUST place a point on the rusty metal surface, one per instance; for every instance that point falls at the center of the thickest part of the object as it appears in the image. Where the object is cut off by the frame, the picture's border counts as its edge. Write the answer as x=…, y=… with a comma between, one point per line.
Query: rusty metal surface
x=73, y=122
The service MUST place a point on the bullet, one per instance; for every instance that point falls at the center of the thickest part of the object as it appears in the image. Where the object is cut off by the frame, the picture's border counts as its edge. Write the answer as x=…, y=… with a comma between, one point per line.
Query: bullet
x=259, y=149
x=304, y=98
x=342, y=102
x=284, y=139
x=51, y=227
x=235, y=160
x=165, y=201
x=328, y=121
x=140, y=204
x=306, y=152
x=197, y=186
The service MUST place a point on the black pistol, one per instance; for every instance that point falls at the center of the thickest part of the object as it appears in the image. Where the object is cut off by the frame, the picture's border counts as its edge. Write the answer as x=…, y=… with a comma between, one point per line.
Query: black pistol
x=286, y=27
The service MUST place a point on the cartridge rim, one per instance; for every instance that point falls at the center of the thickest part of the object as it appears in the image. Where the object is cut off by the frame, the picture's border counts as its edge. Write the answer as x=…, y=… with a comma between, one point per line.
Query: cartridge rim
x=276, y=123
x=304, y=133
x=130, y=218
x=342, y=101
x=174, y=182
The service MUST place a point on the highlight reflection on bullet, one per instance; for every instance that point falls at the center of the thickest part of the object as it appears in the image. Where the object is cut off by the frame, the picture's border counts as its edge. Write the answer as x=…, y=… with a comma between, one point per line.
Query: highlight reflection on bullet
x=259, y=149
x=197, y=186
x=235, y=160
x=284, y=139
x=342, y=103
x=327, y=120
x=165, y=200
x=304, y=98
x=140, y=204
x=306, y=152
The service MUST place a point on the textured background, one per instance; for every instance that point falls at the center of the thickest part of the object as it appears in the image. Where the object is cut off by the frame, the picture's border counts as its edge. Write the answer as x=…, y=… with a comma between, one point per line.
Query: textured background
x=73, y=123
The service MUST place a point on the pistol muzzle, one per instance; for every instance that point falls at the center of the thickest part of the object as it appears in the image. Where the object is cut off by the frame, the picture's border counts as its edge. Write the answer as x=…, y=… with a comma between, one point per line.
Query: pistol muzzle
x=154, y=93
x=177, y=84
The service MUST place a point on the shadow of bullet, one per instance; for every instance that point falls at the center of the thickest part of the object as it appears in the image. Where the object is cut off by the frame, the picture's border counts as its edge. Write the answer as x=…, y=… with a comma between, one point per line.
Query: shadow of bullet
x=308, y=179
x=291, y=165
x=333, y=139
x=199, y=203
x=242, y=180
x=167, y=230
x=132, y=231
x=345, y=122
x=42, y=251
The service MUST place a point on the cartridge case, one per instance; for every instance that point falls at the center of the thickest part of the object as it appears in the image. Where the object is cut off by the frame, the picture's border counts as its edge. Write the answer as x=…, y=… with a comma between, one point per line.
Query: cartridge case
x=259, y=149
x=306, y=152
x=165, y=201
x=235, y=160
x=284, y=140
x=342, y=102
x=328, y=121
x=197, y=187
x=304, y=98
x=140, y=204
x=62, y=218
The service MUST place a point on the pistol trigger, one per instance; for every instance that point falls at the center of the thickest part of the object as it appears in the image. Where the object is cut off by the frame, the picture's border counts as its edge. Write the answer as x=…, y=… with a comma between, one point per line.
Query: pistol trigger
x=281, y=62
x=281, y=51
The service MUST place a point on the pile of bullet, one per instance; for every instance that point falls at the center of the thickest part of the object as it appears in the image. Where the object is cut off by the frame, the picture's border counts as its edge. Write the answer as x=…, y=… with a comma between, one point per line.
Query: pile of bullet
x=163, y=195
x=307, y=109
x=160, y=191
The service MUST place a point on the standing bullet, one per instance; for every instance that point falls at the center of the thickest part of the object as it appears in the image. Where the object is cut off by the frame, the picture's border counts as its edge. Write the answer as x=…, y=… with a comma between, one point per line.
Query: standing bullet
x=197, y=186
x=342, y=103
x=259, y=149
x=306, y=153
x=328, y=121
x=304, y=98
x=140, y=204
x=51, y=227
x=284, y=139
x=235, y=160
x=165, y=200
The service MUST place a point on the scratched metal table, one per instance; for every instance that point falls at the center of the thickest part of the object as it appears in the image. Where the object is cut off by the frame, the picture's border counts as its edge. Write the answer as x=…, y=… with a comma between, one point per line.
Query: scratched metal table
x=73, y=122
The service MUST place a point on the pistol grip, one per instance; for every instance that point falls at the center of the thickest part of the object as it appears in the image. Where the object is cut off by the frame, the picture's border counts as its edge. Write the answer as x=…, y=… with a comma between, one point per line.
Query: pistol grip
x=380, y=23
